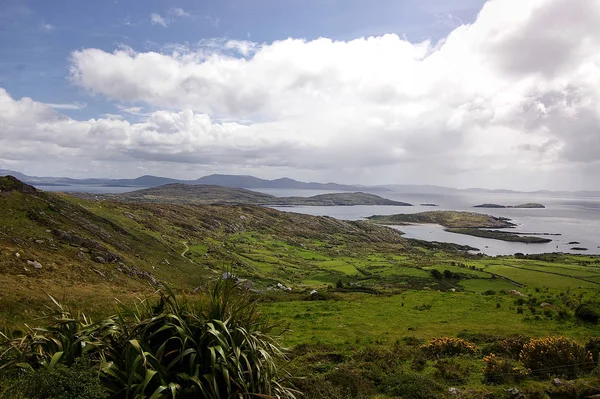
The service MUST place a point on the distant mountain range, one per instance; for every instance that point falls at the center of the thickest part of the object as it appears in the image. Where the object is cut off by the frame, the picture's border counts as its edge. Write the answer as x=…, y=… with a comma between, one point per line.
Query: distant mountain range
x=431, y=189
x=251, y=182
x=233, y=181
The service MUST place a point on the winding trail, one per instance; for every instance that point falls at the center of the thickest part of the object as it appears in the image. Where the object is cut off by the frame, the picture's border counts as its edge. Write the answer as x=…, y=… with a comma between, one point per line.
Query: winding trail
x=186, y=248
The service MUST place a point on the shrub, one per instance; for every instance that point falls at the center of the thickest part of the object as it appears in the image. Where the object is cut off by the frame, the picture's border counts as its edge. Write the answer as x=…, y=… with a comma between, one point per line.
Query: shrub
x=351, y=382
x=222, y=349
x=563, y=314
x=555, y=356
x=61, y=382
x=501, y=371
x=418, y=363
x=585, y=312
x=451, y=370
x=410, y=385
x=448, y=346
x=436, y=274
x=593, y=346
x=508, y=346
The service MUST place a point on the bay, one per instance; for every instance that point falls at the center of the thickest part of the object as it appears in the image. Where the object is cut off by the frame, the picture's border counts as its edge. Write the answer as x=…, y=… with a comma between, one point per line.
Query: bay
x=576, y=219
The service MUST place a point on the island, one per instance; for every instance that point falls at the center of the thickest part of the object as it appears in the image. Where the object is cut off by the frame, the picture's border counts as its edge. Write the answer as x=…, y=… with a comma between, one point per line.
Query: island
x=178, y=193
x=469, y=223
x=530, y=205
x=429, y=204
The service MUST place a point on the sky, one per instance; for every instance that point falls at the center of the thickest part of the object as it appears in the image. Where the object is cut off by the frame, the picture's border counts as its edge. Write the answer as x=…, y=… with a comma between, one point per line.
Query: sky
x=460, y=93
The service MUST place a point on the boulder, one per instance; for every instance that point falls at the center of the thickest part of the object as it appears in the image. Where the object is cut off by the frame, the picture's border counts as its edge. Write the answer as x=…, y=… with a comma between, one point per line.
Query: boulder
x=516, y=293
x=557, y=382
x=35, y=264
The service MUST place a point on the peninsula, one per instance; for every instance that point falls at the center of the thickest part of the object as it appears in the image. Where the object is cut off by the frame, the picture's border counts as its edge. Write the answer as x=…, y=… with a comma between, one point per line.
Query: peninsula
x=469, y=223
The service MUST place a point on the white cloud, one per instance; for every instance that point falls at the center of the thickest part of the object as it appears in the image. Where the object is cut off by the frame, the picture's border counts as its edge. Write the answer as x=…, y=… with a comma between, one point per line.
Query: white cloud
x=113, y=116
x=214, y=21
x=179, y=12
x=70, y=106
x=157, y=19
x=510, y=100
x=47, y=27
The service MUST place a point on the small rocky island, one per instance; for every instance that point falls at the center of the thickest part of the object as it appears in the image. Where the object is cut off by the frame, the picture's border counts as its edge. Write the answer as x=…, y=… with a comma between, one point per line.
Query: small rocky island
x=531, y=205
x=469, y=223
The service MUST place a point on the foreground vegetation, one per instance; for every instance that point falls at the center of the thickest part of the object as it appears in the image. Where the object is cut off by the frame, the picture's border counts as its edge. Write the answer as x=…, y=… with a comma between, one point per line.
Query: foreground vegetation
x=364, y=305
x=169, y=348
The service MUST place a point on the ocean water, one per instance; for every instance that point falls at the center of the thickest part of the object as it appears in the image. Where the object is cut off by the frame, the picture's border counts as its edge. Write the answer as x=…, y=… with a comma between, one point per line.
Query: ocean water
x=576, y=219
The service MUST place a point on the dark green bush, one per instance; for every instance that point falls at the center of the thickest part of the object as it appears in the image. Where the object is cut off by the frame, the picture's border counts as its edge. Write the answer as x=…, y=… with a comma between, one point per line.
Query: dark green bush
x=409, y=385
x=508, y=347
x=351, y=382
x=588, y=313
x=79, y=381
x=451, y=371
x=221, y=349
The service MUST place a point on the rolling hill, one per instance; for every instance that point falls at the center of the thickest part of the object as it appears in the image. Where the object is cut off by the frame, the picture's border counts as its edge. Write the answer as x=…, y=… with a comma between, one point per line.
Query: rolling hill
x=208, y=194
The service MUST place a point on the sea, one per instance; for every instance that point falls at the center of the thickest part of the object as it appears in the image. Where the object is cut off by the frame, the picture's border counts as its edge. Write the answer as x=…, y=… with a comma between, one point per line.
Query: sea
x=570, y=221
x=576, y=219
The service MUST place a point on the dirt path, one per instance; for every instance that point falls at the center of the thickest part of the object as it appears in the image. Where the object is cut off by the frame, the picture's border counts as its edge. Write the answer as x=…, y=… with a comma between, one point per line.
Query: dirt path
x=186, y=248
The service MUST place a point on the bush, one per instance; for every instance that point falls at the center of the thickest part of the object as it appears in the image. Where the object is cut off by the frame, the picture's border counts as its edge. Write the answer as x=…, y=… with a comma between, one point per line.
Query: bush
x=61, y=382
x=436, y=274
x=351, y=382
x=418, y=363
x=222, y=349
x=452, y=371
x=593, y=346
x=501, y=371
x=448, y=346
x=508, y=347
x=555, y=356
x=410, y=385
x=587, y=313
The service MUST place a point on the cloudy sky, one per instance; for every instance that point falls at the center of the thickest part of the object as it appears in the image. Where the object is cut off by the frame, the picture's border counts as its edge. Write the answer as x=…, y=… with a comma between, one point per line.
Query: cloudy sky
x=494, y=94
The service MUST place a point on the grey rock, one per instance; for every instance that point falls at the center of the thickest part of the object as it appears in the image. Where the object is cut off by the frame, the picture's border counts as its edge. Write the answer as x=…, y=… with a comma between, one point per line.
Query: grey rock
x=35, y=264
x=453, y=391
x=557, y=382
x=99, y=259
x=99, y=273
